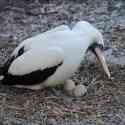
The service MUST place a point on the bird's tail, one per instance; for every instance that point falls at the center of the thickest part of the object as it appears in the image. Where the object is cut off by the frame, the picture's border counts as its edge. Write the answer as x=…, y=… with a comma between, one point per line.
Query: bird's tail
x=1, y=73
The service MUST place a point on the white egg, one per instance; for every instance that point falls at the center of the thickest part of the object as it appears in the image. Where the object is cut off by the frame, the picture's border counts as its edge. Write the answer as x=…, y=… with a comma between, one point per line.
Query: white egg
x=69, y=86
x=79, y=90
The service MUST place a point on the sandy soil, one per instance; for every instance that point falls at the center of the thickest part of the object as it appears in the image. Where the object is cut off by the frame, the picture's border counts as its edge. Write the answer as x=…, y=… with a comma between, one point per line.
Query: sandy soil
x=104, y=103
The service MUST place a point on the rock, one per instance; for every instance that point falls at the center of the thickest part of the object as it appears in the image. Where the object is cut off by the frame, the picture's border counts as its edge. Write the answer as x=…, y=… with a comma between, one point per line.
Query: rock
x=51, y=121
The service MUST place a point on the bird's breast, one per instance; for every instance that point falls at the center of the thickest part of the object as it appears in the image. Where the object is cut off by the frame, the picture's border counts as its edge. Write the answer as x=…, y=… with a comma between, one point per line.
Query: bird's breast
x=64, y=72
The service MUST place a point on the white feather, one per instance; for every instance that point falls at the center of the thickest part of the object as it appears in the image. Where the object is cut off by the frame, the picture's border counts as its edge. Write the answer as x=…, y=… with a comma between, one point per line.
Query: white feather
x=33, y=60
x=89, y=30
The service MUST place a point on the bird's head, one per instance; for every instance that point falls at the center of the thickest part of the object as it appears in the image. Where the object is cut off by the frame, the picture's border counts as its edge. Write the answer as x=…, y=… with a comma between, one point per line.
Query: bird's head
x=95, y=42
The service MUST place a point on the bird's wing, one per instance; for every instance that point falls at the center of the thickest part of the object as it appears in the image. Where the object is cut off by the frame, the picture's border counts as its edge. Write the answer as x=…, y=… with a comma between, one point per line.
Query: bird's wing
x=11, y=58
x=38, y=39
x=36, y=59
x=34, y=66
x=26, y=44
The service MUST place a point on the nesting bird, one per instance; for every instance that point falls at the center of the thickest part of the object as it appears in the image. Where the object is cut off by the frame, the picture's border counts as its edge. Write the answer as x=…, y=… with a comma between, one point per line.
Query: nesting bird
x=51, y=58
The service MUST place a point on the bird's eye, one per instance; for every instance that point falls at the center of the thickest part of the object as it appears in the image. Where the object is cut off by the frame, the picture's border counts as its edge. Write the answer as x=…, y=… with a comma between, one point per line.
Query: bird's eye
x=21, y=51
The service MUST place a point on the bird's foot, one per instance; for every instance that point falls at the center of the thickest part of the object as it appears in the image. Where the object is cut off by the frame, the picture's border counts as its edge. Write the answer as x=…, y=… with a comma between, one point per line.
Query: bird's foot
x=74, y=90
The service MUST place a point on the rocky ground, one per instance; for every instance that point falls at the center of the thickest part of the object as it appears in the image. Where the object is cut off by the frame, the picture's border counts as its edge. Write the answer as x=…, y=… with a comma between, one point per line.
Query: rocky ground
x=104, y=103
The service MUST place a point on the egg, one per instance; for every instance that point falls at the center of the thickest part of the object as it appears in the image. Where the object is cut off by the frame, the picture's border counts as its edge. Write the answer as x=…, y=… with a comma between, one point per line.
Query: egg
x=69, y=86
x=79, y=91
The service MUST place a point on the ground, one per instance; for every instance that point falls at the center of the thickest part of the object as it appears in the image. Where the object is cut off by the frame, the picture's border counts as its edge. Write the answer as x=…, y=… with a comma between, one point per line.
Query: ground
x=104, y=103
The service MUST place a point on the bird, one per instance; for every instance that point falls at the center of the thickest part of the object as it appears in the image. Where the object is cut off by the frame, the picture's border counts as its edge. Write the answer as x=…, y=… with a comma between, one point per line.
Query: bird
x=50, y=58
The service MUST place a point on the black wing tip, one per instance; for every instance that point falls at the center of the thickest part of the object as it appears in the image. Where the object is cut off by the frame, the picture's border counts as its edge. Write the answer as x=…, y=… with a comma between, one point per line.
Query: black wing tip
x=60, y=64
x=32, y=78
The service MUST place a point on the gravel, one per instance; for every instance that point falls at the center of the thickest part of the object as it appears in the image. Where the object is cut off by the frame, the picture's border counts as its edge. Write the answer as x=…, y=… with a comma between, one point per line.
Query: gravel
x=104, y=102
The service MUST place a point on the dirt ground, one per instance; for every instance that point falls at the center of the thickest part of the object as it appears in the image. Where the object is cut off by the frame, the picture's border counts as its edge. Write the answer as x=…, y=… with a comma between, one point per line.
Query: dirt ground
x=104, y=103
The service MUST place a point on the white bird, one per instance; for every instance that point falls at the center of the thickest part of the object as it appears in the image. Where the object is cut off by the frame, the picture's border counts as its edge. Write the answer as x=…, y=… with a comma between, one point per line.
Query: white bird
x=51, y=58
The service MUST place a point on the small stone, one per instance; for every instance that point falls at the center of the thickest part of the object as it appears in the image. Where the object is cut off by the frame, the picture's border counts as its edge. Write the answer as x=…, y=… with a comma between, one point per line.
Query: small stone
x=51, y=121
x=79, y=90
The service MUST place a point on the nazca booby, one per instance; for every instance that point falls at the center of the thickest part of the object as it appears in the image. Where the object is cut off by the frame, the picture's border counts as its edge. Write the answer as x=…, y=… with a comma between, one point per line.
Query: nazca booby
x=50, y=58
